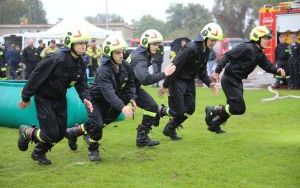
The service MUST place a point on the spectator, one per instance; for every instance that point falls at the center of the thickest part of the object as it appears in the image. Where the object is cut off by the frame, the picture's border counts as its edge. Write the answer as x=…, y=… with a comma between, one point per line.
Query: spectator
x=41, y=47
x=94, y=53
x=51, y=49
x=294, y=63
x=3, y=65
x=177, y=45
x=13, y=60
x=157, y=61
x=282, y=55
x=30, y=58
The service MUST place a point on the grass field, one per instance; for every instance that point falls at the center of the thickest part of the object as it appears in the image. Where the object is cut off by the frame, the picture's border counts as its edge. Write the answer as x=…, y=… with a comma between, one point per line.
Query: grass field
x=260, y=149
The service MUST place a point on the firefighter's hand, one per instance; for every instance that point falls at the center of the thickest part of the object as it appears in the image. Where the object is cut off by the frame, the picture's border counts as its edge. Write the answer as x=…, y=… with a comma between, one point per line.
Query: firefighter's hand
x=88, y=104
x=170, y=69
x=23, y=104
x=282, y=72
x=128, y=111
x=162, y=90
x=215, y=77
x=213, y=89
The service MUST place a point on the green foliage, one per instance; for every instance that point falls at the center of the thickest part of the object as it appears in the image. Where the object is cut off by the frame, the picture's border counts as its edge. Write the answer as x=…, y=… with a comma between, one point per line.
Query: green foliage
x=237, y=18
x=149, y=22
x=182, y=20
x=260, y=149
x=100, y=18
x=187, y=20
x=36, y=13
x=11, y=11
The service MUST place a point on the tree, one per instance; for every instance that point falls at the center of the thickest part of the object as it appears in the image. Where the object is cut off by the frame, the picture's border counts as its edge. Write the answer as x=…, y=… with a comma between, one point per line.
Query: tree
x=36, y=13
x=101, y=18
x=11, y=11
x=149, y=22
x=187, y=20
x=238, y=17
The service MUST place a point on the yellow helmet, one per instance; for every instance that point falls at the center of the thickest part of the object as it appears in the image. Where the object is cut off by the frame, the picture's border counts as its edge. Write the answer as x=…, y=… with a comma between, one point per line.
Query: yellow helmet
x=258, y=32
x=212, y=31
x=113, y=43
x=76, y=37
x=150, y=36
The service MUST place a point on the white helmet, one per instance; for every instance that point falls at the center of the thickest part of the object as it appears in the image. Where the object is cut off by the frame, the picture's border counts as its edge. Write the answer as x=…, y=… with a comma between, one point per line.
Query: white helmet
x=150, y=36
x=212, y=31
x=113, y=43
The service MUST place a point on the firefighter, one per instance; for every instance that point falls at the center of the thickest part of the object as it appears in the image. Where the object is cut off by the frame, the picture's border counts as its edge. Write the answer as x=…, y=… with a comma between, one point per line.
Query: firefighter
x=48, y=84
x=30, y=57
x=41, y=47
x=294, y=63
x=51, y=49
x=157, y=62
x=190, y=62
x=113, y=88
x=140, y=60
x=239, y=63
x=94, y=55
x=282, y=55
x=3, y=64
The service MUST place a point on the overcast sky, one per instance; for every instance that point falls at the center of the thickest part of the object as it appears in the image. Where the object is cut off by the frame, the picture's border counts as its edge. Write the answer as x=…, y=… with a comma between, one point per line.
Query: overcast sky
x=128, y=9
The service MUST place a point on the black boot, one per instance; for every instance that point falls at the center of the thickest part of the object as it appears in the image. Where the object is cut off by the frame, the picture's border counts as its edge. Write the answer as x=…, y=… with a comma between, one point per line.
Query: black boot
x=161, y=112
x=39, y=153
x=94, y=154
x=215, y=117
x=170, y=130
x=72, y=134
x=25, y=136
x=142, y=138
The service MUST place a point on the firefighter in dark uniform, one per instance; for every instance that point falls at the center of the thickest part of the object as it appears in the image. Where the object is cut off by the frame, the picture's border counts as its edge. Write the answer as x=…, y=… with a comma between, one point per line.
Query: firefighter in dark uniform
x=282, y=55
x=294, y=63
x=41, y=47
x=157, y=62
x=190, y=62
x=140, y=60
x=239, y=63
x=3, y=65
x=48, y=83
x=113, y=88
x=30, y=57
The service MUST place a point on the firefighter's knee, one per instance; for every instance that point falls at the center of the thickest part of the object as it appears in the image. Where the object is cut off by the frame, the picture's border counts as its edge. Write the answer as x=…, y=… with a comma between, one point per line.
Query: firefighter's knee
x=55, y=138
x=95, y=132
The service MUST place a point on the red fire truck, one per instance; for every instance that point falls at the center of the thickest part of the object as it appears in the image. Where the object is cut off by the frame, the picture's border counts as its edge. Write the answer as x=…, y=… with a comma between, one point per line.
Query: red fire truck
x=282, y=19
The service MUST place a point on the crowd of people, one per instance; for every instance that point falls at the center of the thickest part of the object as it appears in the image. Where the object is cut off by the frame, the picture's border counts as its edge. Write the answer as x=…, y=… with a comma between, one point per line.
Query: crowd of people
x=117, y=87
x=287, y=56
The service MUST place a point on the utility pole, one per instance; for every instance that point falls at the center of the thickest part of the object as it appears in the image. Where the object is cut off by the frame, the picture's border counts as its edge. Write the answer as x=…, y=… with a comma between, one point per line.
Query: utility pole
x=106, y=15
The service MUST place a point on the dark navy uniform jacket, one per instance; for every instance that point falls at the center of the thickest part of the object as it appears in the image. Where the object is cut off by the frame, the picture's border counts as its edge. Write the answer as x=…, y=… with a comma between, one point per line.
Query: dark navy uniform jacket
x=110, y=84
x=191, y=62
x=243, y=59
x=54, y=75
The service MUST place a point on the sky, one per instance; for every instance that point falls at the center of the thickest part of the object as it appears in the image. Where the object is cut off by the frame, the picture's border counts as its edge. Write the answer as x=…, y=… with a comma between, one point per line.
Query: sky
x=128, y=9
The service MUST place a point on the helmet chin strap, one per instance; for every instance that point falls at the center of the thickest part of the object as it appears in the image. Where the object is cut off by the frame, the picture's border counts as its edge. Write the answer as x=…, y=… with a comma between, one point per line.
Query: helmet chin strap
x=205, y=43
x=259, y=43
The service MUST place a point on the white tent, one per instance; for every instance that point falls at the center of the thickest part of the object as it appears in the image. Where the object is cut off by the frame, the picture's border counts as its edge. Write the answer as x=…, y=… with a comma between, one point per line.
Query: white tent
x=73, y=24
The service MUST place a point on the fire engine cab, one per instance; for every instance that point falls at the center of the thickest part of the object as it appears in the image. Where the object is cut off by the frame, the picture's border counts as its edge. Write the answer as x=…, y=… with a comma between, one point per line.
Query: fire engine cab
x=282, y=19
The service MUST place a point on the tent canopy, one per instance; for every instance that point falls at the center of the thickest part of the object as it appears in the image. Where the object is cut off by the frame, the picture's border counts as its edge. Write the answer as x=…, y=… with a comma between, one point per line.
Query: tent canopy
x=73, y=24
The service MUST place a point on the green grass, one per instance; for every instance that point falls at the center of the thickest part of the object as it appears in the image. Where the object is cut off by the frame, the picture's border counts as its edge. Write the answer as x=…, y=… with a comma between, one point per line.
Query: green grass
x=260, y=149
